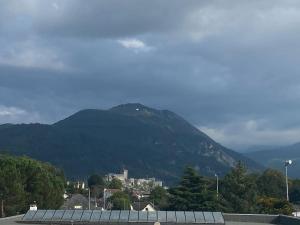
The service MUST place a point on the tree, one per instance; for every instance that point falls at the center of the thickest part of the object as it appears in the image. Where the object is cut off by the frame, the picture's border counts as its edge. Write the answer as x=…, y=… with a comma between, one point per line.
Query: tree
x=94, y=180
x=115, y=184
x=270, y=205
x=271, y=184
x=238, y=190
x=192, y=193
x=295, y=191
x=24, y=181
x=120, y=201
x=159, y=196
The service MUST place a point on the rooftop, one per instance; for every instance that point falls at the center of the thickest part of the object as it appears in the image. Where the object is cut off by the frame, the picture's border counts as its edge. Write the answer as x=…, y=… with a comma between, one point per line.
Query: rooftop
x=124, y=217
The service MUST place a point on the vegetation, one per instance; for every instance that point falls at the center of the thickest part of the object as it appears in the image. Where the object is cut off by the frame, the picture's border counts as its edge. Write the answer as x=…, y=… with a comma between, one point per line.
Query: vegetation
x=120, y=200
x=240, y=192
x=160, y=198
x=24, y=181
x=115, y=184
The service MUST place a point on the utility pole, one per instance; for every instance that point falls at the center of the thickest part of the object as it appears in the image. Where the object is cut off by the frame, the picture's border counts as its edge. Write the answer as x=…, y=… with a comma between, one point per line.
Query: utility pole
x=286, y=164
x=104, y=198
x=89, y=198
x=216, y=175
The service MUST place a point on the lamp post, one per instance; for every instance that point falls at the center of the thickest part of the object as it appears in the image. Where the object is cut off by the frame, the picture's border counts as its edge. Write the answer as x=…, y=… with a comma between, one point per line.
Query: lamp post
x=216, y=175
x=286, y=164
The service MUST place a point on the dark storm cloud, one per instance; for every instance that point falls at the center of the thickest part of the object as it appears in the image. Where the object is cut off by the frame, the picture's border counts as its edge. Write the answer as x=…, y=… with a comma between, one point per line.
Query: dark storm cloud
x=230, y=69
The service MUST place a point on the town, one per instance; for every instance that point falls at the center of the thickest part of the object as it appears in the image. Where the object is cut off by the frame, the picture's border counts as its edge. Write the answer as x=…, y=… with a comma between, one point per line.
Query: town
x=93, y=194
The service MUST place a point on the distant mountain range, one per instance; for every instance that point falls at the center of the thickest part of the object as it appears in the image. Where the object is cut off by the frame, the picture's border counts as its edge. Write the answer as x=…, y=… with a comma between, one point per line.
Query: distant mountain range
x=275, y=158
x=146, y=141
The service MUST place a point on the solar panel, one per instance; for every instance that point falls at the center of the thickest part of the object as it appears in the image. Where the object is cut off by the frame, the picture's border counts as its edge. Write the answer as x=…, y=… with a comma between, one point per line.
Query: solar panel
x=143, y=216
x=95, y=217
x=209, y=217
x=218, y=217
x=199, y=217
x=114, y=216
x=171, y=217
x=133, y=216
x=180, y=217
x=152, y=216
x=189, y=217
x=48, y=215
x=39, y=215
x=58, y=215
x=68, y=215
x=29, y=215
x=86, y=215
x=77, y=215
x=162, y=216
x=124, y=216
x=105, y=216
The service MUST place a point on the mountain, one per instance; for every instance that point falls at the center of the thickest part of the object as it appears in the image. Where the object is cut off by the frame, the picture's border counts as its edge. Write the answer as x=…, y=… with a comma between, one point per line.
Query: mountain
x=146, y=141
x=275, y=158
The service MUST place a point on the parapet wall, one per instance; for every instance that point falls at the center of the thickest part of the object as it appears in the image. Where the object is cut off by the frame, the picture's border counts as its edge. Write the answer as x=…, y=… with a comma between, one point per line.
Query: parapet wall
x=262, y=218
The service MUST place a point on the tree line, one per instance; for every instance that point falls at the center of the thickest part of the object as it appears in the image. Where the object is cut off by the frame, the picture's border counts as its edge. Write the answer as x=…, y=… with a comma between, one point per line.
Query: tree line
x=239, y=192
x=24, y=181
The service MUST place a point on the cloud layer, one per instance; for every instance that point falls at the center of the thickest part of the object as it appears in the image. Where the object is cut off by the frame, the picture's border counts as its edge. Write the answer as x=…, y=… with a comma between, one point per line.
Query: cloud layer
x=230, y=69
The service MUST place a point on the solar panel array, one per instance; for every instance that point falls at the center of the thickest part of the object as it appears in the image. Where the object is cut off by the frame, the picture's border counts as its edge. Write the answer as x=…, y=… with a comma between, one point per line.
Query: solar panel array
x=125, y=216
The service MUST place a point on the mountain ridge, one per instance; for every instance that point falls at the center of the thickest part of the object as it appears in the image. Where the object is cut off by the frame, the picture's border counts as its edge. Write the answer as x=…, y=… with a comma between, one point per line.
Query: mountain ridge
x=275, y=158
x=144, y=140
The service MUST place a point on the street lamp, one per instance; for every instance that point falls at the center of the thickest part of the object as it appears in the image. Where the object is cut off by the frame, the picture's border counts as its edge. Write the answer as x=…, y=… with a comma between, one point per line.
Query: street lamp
x=216, y=175
x=286, y=164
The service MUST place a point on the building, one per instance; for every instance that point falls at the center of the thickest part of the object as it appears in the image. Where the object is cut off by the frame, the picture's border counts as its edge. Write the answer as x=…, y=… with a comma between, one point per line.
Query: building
x=121, y=176
x=143, y=206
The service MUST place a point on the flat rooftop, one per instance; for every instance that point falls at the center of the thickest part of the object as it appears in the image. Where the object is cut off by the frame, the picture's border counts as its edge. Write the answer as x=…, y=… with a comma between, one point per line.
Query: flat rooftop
x=228, y=219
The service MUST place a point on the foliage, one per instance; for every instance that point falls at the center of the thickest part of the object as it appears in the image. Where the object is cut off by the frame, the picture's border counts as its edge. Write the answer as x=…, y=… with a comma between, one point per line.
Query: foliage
x=24, y=181
x=270, y=205
x=120, y=201
x=239, y=190
x=295, y=191
x=159, y=197
x=192, y=193
x=115, y=184
x=94, y=180
x=271, y=183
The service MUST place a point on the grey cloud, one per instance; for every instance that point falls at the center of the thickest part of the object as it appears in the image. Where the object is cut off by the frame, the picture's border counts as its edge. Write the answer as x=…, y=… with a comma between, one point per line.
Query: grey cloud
x=231, y=69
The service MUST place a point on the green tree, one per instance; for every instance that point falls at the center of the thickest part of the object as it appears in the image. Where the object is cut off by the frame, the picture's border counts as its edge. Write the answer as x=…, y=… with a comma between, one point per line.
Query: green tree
x=24, y=181
x=239, y=190
x=271, y=183
x=159, y=196
x=115, y=184
x=270, y=205
x=192, y=193
x=94, y=180
x=295, y=191
x=120, y=201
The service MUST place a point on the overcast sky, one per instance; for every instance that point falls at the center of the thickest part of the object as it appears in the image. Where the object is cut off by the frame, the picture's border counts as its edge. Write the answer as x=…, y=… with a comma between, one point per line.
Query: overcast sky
x=231, y=68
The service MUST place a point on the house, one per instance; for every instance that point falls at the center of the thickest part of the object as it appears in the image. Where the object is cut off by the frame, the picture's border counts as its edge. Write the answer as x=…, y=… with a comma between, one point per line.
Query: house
x=76, y=201
x=142, y=206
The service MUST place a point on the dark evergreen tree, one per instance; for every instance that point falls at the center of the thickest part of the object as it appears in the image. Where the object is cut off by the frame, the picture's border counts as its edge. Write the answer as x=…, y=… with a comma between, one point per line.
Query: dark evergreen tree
x=239, y=190
x=192, y=193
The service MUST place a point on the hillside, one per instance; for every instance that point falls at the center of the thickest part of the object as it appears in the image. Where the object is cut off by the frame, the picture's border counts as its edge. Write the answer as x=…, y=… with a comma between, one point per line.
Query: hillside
x=146, y=141
x=275, y=158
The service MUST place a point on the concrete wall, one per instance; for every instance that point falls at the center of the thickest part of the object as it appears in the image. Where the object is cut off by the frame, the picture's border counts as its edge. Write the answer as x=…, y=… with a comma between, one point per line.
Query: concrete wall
x=255, y=218
x=262, y=218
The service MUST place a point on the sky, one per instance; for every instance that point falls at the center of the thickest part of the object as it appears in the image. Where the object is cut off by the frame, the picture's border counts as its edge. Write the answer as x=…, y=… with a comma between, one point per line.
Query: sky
x=231, y=68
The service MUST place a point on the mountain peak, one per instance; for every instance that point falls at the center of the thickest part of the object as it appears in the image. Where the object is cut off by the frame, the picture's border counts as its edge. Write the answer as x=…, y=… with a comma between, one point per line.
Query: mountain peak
x=134, y=109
